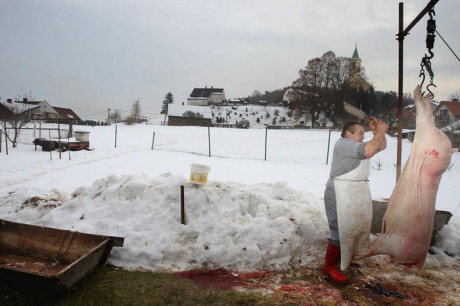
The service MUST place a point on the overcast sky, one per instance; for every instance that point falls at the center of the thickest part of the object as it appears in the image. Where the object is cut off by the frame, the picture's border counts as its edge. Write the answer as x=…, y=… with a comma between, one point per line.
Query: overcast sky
x=91, y=55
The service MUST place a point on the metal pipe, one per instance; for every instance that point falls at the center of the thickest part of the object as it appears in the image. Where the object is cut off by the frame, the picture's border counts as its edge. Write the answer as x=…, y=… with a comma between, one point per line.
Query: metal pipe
x=182, y=205
x=328, y=145
x=266, y=129
x=116, y=131
x=401, y=34
x=209, y=140
x=59, y=139
x=400, y=88
x=417, y=19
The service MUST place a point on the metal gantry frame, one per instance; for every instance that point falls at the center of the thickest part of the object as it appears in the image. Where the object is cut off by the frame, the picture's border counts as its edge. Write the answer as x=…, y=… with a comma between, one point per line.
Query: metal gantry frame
x=401, y=34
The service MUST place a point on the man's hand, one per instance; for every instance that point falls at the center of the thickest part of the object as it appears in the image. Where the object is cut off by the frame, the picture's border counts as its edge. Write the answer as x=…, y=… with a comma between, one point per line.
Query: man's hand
x=378, y=126
x=378, y=143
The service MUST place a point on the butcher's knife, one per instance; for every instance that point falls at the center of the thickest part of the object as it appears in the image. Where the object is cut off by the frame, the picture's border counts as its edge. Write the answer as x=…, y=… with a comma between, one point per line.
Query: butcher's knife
x=356, y=112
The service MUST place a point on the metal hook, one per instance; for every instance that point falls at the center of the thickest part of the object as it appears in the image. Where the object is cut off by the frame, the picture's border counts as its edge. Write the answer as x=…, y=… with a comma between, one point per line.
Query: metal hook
x=432, y=13
x=428, y=88
x=422, y=72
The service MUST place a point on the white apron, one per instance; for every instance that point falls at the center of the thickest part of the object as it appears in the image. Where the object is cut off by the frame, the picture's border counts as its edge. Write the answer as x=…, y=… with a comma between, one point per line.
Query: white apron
x=354, y=211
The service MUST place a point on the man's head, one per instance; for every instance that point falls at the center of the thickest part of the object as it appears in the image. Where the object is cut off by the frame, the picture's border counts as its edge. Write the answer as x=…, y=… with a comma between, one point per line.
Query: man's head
x=353, y=130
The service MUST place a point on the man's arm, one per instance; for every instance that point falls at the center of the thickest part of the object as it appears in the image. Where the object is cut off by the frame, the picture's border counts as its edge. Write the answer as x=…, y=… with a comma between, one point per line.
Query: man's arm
x=379, y=142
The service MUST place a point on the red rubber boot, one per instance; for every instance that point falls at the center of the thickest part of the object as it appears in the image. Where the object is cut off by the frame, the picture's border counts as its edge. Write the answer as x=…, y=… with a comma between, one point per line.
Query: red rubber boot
x=330, y=264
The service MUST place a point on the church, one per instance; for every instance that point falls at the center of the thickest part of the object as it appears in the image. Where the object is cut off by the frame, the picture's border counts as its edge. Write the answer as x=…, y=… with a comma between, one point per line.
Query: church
x=355, y=79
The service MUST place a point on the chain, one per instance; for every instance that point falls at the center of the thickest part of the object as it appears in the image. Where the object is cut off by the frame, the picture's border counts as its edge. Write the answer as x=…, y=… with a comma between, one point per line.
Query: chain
x=426, y=60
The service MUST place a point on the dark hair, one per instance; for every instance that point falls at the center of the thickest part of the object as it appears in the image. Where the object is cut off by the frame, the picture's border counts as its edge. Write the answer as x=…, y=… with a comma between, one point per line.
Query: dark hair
x=351, y=127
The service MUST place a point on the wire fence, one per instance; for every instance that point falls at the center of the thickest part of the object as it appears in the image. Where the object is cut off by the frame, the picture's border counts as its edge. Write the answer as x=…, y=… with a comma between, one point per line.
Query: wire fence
x=257, y=144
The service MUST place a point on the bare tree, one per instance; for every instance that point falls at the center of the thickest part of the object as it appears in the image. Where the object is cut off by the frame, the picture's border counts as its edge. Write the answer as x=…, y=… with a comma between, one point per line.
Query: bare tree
x=12, y=126
x=318, y=88
x=115, y=116
x=136, y=112
x=455, y=95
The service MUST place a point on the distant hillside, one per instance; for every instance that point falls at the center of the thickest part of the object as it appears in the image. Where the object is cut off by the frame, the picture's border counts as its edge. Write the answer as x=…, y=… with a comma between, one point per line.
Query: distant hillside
x=257, y=116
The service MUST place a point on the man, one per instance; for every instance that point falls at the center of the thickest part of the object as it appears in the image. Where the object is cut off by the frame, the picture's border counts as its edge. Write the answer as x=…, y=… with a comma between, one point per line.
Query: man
x=347, y=196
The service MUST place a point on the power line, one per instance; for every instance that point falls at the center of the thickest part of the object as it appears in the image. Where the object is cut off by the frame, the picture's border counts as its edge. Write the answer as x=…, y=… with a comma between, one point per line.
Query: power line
x=102, y=112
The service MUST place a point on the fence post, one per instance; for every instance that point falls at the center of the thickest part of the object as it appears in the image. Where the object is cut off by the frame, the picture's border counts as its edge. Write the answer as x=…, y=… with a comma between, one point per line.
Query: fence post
x=51, y=154
x=59, y=139
x=68, y=143
x=116, y=131
x=153, y=139
x=328, y=145
x=266, y=130
x=182, y=205
x=209, y=140
x=6, y=140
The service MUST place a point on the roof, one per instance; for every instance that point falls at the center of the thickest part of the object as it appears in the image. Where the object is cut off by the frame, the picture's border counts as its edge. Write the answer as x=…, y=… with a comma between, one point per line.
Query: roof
x=28, y=102
x=5, y=112
x=355, y=54
x=453, y=107
x=205, y=92
x=66, y=113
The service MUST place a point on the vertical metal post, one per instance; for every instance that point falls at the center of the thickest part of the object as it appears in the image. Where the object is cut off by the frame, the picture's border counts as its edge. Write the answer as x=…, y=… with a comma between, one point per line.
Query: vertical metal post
x=153, y=139
x=182, y=205
x=209, y=140
x=6, y=139
x=49, y=135
x=266, y=129
x=59, y=139
x=68, y=143
x=328, y=145
x=400, y=88
x=116, y=131
x=401, y=34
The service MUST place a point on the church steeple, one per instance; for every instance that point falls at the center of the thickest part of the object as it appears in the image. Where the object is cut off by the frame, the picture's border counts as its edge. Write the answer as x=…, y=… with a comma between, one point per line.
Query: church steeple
x=355, y=79
x=355, y=54
x=355, y=63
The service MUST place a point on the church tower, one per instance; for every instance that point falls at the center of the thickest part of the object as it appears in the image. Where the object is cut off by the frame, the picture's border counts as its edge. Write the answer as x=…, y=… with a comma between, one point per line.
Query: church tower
x=355, y=80
x=355, y=63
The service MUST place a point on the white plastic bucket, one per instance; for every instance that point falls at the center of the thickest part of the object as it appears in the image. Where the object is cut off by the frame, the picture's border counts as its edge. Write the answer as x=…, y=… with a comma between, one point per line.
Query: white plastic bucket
x=82, y=136
x=199, y=173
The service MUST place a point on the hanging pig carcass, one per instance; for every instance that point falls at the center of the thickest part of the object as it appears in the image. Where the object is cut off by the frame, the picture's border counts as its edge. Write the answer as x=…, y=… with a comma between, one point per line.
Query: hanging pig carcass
x=408, y=222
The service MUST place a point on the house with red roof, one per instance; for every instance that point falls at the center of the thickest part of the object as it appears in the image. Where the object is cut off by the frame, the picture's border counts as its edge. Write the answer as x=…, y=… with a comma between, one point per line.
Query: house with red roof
x=6, y=113
x=447, y=113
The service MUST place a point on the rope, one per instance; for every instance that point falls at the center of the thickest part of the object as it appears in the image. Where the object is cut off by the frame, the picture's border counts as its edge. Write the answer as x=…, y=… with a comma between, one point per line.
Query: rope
x=448, y=45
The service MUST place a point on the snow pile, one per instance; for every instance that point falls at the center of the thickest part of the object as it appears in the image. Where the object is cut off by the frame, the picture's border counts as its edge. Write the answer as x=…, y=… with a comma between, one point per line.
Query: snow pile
x=251, y=214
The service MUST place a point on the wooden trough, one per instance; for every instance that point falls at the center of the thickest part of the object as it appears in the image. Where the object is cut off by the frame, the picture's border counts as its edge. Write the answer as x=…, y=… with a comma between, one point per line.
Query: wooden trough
x=49, y=258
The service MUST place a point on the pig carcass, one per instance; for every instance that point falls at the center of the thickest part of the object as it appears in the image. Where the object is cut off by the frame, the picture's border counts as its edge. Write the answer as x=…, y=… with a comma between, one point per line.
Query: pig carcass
x=408, y=222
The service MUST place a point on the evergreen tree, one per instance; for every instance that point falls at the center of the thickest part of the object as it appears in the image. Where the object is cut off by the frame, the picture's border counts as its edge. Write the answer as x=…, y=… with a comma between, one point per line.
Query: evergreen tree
x=169, y=98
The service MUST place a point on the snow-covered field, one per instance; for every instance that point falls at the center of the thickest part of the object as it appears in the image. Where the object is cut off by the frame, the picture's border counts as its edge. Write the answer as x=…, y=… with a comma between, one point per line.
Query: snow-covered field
x=251, y=214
